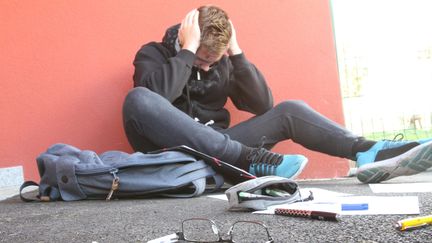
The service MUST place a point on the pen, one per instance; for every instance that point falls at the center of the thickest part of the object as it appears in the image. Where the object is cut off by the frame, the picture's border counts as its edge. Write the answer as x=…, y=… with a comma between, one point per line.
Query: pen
x=354, y=206
x=412, y=223
x=244, y=196
x=328, y=216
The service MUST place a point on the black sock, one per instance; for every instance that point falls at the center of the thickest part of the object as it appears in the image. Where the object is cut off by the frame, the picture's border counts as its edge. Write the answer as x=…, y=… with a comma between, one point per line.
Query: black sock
x=361, y=145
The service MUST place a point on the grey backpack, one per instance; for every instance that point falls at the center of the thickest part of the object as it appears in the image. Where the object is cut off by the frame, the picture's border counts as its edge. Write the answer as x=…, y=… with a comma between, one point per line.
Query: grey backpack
x=68, y=173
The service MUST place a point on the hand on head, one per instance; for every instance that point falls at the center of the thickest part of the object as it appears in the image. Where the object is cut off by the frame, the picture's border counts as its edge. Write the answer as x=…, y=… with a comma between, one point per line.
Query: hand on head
x=189, y=32
x=233, y=48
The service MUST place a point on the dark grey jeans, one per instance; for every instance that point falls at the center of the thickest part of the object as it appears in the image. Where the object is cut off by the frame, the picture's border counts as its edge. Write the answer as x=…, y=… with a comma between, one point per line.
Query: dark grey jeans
x=151, y=123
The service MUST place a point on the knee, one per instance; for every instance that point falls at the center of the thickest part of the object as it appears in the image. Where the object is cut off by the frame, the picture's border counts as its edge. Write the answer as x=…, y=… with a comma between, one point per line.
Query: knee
x=139, y=98
x=291, y=106
x=137, y=94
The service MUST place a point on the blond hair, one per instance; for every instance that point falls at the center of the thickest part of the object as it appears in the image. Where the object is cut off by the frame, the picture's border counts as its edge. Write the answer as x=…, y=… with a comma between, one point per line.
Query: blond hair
x=215, y=29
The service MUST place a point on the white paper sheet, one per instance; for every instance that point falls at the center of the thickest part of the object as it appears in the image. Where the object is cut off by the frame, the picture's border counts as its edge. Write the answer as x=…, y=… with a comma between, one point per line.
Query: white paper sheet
x=319, y=194
x=376, y=205
x=219, y=196
x=401, y=188
x=331, y=201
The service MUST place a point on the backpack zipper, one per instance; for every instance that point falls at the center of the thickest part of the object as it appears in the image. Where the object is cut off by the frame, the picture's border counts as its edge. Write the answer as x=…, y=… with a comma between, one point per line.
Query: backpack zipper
x=115, y=183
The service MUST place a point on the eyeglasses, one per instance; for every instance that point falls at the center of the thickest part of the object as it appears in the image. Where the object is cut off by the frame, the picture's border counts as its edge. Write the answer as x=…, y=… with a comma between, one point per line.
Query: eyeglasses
x=205, y=230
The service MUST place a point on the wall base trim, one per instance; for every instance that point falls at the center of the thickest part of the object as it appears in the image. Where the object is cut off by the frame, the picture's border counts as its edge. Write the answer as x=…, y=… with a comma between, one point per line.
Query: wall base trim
x=11, y=176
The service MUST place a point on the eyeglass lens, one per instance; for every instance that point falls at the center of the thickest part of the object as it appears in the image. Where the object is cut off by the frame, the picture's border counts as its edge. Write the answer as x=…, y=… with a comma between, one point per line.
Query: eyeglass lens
x=249, y=232
x=200, y=230
x=204, y=230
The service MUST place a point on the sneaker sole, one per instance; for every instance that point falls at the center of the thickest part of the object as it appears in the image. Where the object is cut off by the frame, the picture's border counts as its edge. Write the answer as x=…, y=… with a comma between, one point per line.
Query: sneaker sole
x=414, y=161
x=299, y=171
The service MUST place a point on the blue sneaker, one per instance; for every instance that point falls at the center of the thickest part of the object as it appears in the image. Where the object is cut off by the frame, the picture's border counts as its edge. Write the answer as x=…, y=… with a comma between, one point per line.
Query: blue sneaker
x=386, y=149
x=265, y=163
x=411, y=162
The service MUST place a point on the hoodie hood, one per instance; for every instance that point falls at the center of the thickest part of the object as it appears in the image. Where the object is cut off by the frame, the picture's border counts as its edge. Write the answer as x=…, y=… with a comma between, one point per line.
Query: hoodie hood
x=170, y=39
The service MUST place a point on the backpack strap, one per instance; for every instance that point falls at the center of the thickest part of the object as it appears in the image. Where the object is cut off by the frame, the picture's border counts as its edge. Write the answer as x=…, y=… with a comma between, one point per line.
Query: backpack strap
x=48, y=195
x=219, y=182
x=197, y=175
x=27, y=184
x=200, y=185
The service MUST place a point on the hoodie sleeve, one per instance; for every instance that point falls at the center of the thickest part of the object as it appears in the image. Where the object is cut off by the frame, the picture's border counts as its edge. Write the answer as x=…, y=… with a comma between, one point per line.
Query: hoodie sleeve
x=157, y=71
x=248, y=88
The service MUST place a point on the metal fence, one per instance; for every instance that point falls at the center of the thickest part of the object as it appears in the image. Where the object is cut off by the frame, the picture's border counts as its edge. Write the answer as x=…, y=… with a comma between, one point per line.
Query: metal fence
x=385, y=123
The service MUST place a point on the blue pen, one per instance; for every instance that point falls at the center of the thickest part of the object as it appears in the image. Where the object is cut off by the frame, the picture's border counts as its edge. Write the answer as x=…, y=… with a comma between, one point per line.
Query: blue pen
x=354, y=206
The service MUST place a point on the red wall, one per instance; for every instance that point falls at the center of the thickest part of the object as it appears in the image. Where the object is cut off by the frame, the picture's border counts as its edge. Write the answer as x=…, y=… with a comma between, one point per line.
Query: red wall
x=67, y=65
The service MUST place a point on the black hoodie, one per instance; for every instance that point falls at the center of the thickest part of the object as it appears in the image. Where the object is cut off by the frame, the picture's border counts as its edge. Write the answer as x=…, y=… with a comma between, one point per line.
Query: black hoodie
x=165, y=69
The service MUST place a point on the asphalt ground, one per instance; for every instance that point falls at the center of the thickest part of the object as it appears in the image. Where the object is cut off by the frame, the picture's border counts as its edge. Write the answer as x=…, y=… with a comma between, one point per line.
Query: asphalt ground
x=140, y=220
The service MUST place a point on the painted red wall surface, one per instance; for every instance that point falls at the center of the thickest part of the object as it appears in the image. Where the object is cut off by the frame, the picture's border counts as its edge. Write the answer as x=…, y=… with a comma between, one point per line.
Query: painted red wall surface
x=67, y=65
